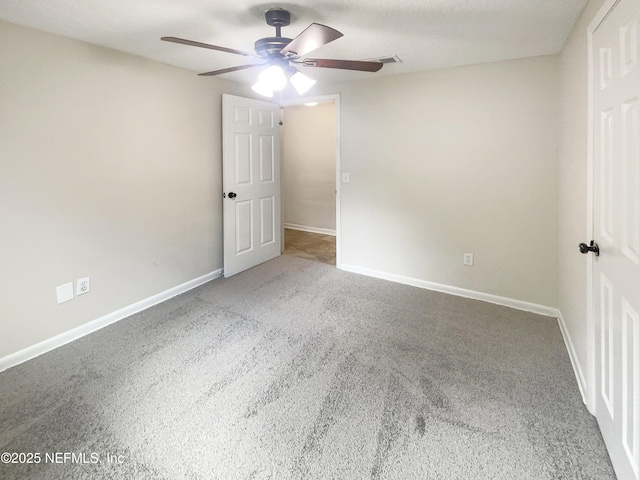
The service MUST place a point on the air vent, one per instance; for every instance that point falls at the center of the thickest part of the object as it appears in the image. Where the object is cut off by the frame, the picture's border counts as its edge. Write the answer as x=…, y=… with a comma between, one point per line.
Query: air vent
x=389, y=59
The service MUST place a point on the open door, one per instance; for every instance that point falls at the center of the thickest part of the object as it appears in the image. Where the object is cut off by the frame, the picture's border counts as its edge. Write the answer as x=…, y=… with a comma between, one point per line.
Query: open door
x=250, y=182
x=616, y=232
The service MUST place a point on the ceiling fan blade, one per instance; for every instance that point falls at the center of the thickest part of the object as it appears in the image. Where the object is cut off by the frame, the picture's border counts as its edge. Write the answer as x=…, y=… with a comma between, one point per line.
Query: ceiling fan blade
x=314, y=36
x=206, y=45
x=343, y=64
x=230, y=69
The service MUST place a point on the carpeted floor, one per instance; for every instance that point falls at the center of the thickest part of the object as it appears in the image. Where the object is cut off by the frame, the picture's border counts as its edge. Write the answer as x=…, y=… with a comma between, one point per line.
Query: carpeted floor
x=295, y=369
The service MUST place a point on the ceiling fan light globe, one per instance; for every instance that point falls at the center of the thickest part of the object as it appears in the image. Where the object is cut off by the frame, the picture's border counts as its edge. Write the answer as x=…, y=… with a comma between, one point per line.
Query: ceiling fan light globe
x=301, y=83
x=262, y=89
x=273, y=77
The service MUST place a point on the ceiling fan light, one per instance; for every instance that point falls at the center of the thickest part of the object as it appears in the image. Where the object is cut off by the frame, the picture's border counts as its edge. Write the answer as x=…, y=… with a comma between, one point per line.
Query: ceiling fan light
x=302, y=83
x=273, y=77
x=262, y=89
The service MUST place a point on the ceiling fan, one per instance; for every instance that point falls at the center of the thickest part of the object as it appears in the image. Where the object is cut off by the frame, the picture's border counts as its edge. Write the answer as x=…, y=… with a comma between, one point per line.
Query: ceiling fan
x=282, y=55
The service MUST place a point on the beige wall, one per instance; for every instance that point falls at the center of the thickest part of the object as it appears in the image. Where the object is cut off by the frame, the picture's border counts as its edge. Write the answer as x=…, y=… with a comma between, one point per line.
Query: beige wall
x=110, y=167
x=454, y=161
x=309, y=165
x=572, y=199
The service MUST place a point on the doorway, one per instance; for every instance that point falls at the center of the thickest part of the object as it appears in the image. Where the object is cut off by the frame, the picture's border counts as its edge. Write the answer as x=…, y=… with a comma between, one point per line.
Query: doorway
x=310, y=173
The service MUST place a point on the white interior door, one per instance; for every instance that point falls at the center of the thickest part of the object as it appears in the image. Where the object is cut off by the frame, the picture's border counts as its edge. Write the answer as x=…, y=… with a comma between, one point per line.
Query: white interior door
x=251, y=182
x=616, y=225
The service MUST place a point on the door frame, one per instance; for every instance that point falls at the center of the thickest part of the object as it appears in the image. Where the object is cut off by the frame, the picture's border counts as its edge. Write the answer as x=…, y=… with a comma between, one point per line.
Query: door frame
x=335, y=98
x=591, y=386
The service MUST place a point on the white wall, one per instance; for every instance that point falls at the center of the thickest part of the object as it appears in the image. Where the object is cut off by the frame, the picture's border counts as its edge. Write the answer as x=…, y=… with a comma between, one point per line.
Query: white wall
x=309, y=165
x=454, y=161
x=572, y=198
x=110, y=167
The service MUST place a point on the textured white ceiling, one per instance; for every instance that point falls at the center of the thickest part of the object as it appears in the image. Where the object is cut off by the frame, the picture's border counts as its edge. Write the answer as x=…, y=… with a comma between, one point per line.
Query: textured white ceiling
x=425, y=34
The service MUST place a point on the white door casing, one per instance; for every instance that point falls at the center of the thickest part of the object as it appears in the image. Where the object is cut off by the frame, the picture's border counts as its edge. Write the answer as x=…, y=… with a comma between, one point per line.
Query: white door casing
x=615, y=274
x=251, y=182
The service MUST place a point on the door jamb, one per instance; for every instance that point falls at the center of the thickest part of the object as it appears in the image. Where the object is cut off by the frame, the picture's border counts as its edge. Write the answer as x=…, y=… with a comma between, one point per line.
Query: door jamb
x=336, y=100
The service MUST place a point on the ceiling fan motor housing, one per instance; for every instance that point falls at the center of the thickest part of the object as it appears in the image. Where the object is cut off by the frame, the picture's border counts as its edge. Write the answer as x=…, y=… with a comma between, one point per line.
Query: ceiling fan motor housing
x=271, y=46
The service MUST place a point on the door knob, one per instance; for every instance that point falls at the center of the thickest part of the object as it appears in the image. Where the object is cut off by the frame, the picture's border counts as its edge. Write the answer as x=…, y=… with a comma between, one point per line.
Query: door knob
x=232, y=195
x=592, y=247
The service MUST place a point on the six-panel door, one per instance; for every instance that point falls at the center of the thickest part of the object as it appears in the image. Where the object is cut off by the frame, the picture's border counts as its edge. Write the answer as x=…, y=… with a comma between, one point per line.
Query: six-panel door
x=616, y=215
x=251, y=175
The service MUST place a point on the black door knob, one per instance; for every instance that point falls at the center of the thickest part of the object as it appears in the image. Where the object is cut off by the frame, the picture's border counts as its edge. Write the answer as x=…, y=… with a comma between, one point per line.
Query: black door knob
x=592, y=247
x=232, y=195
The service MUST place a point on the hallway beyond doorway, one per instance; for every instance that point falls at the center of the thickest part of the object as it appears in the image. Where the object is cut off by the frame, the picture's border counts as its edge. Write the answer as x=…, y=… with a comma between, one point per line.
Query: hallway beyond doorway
x=312, y=246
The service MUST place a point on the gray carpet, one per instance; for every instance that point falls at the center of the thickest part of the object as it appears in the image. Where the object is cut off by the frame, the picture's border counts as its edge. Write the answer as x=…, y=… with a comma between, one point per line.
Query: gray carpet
x=297, y=370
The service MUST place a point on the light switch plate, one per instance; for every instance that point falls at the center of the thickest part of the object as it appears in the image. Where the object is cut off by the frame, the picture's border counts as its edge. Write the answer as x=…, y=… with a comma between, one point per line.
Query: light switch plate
x=64, y=292
x=346, y=178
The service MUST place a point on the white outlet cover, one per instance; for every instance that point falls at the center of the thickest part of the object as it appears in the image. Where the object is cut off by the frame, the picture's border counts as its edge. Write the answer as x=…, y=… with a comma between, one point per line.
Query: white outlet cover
x=64, y=293
x=83, y=285
x=467, y=259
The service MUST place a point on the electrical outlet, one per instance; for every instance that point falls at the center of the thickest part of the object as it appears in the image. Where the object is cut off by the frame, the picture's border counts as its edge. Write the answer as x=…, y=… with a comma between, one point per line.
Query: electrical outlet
x=83, y=285
x=468, y=259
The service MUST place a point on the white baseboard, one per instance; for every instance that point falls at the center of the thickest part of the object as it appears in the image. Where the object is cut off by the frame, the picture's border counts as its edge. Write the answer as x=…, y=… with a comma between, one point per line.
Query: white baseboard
x=577, y=370
x=304, y=228
x=75, y=333
x=460, y=292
